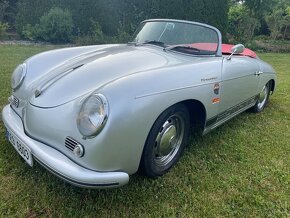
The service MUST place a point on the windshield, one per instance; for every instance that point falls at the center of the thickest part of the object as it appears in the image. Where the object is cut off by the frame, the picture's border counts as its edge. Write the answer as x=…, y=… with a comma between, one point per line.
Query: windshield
x=188, y=38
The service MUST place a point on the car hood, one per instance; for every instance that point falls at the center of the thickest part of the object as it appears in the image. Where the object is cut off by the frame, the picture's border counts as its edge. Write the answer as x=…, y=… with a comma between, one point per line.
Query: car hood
x=79, y=74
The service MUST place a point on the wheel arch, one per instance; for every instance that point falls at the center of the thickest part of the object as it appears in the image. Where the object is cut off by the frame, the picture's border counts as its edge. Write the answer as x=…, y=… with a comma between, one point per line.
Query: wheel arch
x=272, y=85
x=197, y=113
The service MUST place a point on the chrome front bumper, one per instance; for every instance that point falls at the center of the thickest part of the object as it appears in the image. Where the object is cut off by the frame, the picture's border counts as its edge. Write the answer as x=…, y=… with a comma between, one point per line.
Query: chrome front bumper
x=58, y=163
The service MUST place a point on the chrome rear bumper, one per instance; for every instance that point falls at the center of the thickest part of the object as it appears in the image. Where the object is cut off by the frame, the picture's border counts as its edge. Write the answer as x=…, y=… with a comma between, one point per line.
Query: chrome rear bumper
x=58, y=163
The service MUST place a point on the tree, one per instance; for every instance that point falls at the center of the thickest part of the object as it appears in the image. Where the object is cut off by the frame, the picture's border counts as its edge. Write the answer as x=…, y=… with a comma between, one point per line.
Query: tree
x=3, y=26
x=56, y=25
x=287, y=23
x=241, y=25
x=3, y=6
x=259, y=8
x=10, y=13
x=279, y=20
x=29, y=12
x=117, y=17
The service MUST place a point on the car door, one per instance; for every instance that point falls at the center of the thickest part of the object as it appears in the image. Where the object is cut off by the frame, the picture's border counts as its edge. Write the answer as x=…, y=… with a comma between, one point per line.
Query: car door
x=239, y=85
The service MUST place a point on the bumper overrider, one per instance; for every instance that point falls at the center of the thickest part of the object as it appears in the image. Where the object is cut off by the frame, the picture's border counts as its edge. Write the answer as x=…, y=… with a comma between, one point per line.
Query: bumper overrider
x=58, y=163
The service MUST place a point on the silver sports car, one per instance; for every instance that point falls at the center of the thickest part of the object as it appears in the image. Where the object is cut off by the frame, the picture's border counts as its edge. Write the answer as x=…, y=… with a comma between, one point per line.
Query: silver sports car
x=94, y=115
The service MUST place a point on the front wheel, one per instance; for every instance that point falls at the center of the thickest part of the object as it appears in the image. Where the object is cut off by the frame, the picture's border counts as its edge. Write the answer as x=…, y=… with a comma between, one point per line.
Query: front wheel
x=262, y=99
x=166, y=141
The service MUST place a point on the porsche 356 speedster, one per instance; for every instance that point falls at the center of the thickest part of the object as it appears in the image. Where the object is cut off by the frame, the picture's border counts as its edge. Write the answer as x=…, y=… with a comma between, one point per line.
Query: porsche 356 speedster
x=94, y=115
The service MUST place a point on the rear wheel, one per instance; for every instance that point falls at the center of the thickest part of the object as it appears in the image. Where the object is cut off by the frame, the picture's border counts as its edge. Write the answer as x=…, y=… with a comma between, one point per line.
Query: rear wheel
x=166, y=141
x=262, y=99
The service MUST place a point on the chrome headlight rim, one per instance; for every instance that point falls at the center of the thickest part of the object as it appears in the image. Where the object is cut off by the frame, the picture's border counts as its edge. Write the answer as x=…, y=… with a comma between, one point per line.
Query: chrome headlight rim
x=19, y=74
x=84, y=116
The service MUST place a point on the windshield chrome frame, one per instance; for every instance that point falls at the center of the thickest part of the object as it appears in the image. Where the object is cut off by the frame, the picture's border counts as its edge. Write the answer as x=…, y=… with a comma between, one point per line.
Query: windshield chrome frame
x=219, y=48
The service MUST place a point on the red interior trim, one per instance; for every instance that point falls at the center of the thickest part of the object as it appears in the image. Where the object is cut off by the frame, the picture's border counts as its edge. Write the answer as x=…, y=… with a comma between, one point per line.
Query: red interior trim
x=226, y=49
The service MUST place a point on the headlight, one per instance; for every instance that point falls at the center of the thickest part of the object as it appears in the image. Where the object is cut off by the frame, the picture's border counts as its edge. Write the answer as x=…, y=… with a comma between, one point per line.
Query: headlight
x=93, y=115
x=18, y=76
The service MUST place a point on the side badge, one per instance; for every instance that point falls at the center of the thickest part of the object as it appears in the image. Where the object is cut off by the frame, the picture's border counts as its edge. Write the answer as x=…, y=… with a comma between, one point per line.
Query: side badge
x=216, y=88
x=216, y=100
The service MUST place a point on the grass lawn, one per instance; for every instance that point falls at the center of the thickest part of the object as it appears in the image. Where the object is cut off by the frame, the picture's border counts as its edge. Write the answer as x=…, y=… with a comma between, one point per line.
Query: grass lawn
x=241, y=169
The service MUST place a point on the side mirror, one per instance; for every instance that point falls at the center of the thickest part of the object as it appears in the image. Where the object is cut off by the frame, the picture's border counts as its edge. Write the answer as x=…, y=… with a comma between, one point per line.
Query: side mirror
x=237, y=49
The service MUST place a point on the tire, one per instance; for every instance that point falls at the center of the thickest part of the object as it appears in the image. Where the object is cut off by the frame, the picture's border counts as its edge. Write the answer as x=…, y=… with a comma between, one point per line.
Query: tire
x=166, y=141
x=262, y=99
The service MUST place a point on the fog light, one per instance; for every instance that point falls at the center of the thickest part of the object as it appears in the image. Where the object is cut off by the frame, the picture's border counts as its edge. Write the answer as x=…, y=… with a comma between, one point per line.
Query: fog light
x=79, y=151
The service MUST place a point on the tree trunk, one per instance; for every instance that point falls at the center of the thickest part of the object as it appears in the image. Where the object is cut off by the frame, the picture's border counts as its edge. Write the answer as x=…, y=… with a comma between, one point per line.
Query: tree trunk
x=285, y=31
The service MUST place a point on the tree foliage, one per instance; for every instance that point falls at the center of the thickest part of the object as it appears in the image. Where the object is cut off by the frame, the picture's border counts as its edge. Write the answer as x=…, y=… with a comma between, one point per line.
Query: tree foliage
x=3, y=25
x=3, y=28
x=241, y=25
x=56, y=25
x=115, y=20
x=259, y=8
x=248, y=18
x=117, y=17
x=3, y=6
x=279, y=23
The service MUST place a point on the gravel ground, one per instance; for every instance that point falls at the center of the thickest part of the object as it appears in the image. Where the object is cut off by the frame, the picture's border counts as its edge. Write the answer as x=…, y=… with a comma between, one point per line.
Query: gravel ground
x=21, y=42
x=24, y=42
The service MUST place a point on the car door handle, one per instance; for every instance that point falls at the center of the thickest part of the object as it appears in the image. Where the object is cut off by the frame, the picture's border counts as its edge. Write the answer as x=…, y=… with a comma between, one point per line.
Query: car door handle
x=258, y=73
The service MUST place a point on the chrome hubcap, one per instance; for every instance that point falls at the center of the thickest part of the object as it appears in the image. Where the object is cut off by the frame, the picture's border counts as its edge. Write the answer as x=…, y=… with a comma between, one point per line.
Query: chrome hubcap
x=263, y=97
x=168, y=140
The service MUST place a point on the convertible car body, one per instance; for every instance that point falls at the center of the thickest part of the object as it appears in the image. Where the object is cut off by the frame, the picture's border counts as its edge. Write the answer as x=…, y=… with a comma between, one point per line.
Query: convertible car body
x=95, y=115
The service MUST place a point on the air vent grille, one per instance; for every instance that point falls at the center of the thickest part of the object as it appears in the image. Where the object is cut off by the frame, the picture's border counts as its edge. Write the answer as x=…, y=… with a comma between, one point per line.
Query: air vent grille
x=70, y=143
x=15, y=102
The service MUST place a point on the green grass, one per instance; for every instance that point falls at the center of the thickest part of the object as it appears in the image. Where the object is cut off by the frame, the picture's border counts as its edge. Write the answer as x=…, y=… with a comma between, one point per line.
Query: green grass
x=242, y=169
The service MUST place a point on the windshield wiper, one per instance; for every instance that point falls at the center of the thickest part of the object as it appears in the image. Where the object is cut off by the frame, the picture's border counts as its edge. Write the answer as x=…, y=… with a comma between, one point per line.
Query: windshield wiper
x=153, y=42
x=172, y=47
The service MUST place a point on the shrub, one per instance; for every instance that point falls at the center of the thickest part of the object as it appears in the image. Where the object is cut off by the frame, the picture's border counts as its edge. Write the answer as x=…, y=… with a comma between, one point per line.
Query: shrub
x=95, y=36
x=56, y=26
x=123, y=36
x=268, y=45
x=3, y=28
x=31, y=32
x=97, y=33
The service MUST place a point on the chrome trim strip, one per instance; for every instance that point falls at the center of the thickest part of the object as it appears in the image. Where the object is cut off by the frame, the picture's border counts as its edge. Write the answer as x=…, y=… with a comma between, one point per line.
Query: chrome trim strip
x=226, y=115
x=74, y=182
x=49, y=83
x=219, y=49
x=177, y=89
